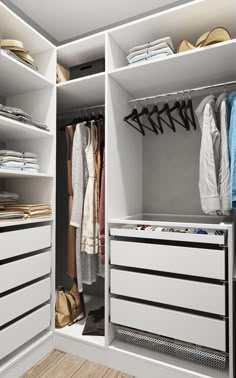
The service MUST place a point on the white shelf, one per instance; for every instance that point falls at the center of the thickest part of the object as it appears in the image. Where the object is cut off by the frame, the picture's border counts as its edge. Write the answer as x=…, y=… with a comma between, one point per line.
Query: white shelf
x=75, y=331
x=13, y=27
x=180, y=71
x=12, y=130
x=177, y=22
x=150, y=356
x=86, y=91
x=15, y=222
x=82, y=51
x=171, y=220
x=15, y=77
x=7, y=173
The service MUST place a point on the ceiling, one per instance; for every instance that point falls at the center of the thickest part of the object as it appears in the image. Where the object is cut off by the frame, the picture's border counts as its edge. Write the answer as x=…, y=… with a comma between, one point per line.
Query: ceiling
x=66, y=20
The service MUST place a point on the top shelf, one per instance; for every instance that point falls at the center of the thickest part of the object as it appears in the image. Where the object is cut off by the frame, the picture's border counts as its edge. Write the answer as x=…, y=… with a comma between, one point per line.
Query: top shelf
x=204, y=66
x=176, y=23
x=82, y=51
x=13, y=27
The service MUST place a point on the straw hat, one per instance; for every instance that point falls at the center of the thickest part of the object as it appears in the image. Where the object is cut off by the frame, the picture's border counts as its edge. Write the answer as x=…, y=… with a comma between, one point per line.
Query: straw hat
x=18, y=49
x=216, y=35
x=12, y=44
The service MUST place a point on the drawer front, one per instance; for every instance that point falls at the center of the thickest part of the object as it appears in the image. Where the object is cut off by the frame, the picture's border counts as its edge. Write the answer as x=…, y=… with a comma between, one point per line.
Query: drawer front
x=23, y=330
x=195, y=329
x=200, y=262
x=176, y=292
x=23, y=241
x=21, y=271
x=21, y=301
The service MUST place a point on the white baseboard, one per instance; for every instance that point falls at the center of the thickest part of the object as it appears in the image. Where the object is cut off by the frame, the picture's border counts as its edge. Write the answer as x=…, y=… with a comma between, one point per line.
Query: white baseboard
x=28, y=357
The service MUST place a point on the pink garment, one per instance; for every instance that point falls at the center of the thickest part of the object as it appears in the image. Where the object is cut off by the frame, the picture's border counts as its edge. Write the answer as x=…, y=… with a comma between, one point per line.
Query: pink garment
x=102, y=212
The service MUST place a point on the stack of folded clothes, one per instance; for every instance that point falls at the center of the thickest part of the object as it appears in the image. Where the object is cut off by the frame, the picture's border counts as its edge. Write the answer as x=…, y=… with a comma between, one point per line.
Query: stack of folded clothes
x=21, y=116
x=16, y=50
x=151, y=51
x=31, y=210
x=25, y=161
x=9, y=199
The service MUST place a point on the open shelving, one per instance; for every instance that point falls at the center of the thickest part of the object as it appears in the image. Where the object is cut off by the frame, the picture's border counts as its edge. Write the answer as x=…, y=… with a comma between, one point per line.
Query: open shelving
x=15, y=77
x=197, y=67
x=75, y=331
x=11, y=129
x=81, y=92
x=23, y=222
x=176, y=22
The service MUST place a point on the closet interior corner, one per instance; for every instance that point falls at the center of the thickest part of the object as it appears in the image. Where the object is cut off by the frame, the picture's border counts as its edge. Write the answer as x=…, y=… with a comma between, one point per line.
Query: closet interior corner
x=117, y=194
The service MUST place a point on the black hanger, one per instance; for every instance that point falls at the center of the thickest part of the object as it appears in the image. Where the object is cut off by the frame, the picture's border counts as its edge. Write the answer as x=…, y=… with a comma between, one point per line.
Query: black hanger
x=166, y=109
x=179, y=108
x=130, y=116
x=158, y=125
x=191, y=118
x=145, y=112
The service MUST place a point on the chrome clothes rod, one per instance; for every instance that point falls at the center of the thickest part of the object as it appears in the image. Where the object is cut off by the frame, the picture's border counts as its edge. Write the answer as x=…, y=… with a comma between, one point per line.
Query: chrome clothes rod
x=184, y=91
x=83, y=109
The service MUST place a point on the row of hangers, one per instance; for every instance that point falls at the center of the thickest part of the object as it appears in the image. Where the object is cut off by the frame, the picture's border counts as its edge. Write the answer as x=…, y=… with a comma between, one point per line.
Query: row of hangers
x=87, y=115
x=181, y=113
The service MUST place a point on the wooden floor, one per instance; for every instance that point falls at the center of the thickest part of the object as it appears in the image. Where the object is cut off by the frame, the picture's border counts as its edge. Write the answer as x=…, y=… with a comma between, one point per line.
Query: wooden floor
x=62, y=365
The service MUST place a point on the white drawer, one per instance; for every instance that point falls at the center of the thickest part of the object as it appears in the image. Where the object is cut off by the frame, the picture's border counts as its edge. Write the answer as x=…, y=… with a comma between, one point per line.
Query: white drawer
x=175, y=236
x=21, y=271
x=21, y=301
x=15, y=243
x=195, y=329
x=23, y=330
x=176, y=292
x=200, y=262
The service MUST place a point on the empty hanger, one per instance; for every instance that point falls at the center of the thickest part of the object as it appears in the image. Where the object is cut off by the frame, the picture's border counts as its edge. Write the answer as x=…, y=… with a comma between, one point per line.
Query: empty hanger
x=190, y=117
x=158, y=125
x=145, y=112
x=130, y=116
x=166, y=109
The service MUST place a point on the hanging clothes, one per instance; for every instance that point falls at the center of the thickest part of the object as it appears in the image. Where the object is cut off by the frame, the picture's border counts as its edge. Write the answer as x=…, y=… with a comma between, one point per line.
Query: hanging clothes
x=209, y=156
x=71, y=242
x=79, y=184
x=224, y=169
x=232, y=148
x=90, y=225
x=102, y=211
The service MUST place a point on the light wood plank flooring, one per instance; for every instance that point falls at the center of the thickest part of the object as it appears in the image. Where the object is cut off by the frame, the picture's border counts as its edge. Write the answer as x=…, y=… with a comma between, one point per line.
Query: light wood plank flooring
x=62, y=365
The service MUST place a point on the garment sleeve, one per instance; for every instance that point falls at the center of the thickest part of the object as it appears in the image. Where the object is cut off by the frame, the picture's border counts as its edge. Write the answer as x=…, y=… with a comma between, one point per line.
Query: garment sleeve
x=209, y=163
x=77, y=179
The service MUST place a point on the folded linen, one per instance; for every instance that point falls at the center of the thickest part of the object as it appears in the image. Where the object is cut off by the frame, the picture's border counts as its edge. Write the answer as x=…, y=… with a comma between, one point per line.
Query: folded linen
x=21, y=116
x=152, y=55
x=8, y=197
x=155, y=48
x=11, y=153
x=167, y=40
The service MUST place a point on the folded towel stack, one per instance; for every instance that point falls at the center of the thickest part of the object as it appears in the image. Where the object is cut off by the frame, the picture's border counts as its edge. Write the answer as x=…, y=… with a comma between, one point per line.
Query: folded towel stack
x=21, y=116
x=25, y=161
x=151, y=51
x=9, y=199
x=31, y=210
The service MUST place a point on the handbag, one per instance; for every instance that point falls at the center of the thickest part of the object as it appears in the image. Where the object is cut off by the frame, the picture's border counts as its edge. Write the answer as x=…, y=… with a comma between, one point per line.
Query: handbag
x=68, y=306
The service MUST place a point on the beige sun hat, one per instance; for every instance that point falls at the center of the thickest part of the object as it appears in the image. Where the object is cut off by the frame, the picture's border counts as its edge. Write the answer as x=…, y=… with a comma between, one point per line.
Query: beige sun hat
x=12, y=44
x=216, y=35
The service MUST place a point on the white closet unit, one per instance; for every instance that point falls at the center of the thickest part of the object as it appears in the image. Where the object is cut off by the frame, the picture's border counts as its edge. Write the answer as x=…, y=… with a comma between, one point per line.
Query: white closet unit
x=27, y=256
x=170, y=285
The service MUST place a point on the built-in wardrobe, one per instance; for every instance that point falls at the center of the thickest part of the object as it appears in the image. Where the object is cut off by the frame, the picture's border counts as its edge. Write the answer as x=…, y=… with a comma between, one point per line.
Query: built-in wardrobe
x=168, y=296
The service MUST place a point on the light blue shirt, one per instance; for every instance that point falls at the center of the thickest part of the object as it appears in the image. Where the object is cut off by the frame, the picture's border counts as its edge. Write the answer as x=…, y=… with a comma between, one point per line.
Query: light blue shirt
x=232, y=147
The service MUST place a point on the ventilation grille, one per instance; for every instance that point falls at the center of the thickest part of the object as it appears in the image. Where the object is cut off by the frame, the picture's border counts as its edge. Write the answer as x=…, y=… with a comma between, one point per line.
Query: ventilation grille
x=173, y=347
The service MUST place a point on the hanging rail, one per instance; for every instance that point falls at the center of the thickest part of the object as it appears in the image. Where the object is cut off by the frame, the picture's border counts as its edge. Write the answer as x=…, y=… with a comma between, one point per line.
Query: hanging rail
x=182, y=91
x=83, y=109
